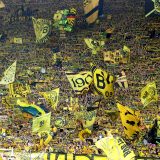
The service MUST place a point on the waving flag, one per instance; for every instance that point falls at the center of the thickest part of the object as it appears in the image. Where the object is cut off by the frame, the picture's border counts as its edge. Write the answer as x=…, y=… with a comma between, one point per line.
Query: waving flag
x=130, y=121
x=2, y=5
x=80, y=82
x=9, y=74
x=121, y=80
x=149, y=94
x=103, y=82
x=91, y=10
x=115, y=148
x=52, y=97
x=42, y=123
x=42, y=28
x=32, y=109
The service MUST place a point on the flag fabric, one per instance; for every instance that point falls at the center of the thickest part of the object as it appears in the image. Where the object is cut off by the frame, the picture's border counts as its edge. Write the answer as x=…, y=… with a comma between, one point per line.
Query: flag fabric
x=80, y=82
x=130, y=121
x=87, y=118
x=2, y=5
x=32, y=109
x=115, y=148
x=42, y=28
x=91, y=10
x=9, y=74
x=94, y=45
x=152, y=7
x=52, y=97
x=42, y=123
x=149, y=94
x=103, y=82
x=65, y=19
x=17, y=40
x=121, y=80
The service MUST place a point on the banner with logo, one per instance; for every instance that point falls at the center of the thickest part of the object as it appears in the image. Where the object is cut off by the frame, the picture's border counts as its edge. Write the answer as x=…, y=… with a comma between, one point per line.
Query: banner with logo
x=80, y=82
x=52, y=97
x=9, y=74
x=42, y=123
x=42, y=28
x=103, y=82
x=149, y=94
x=130, y=121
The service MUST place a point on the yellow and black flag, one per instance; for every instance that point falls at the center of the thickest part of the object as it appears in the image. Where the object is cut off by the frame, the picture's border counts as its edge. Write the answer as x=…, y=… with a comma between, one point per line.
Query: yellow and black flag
x=42, y=123
x=130, y=121
x=149, y=94
x=2, y=5
x=121, y=80
x=9, y=74
x=91, y=10
x=52, y=97
x=80, y=82
x=42, y=28
x=103, y=82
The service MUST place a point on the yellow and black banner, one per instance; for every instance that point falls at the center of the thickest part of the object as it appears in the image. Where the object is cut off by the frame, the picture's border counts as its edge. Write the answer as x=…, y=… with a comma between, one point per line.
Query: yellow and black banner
x=130, y=121
x=149, y=94
x=80, y=82
x=103, y=82
x=42, y=28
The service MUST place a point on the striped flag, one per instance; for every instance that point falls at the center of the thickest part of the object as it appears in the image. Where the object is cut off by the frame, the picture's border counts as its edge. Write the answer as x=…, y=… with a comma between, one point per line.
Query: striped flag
x=121, y=80
x=91, y=10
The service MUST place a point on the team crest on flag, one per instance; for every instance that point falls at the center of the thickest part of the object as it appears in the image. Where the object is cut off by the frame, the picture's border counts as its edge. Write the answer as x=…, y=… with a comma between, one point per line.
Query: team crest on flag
x=80, y=82
x=121, y=80
x=42, y=123
x=9, y=74
x=152, y=7
x=42, y=28
x=149, y=94
x=94, y=45
x=130, y=121
x=103, y=82
x=52, y=97
x=91, y=10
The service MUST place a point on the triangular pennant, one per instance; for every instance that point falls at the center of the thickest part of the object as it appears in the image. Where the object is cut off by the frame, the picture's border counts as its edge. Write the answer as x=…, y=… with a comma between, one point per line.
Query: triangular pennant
x=42, y=28
x=9, y=74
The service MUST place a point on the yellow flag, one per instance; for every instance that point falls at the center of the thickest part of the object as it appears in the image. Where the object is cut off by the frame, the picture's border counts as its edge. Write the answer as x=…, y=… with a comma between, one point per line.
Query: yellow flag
x=52, y=97
x=94, y=45
x=87, y=118
x=149, y=94
x=9, y=74
x=80, y=82
x=103, y=82
x=17, y=40
x=42, y=28
x=115, y=148
x=91, y=10
x=130, y=121
x=2, y=5
x=42, y=123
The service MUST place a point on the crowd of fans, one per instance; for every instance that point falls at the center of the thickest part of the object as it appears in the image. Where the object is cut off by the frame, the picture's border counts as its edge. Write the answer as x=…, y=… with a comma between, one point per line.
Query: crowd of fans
x=130, y=28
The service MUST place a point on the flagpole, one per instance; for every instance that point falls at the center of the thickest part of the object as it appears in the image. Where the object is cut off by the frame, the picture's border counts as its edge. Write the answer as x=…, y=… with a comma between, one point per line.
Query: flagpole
x=150, y=13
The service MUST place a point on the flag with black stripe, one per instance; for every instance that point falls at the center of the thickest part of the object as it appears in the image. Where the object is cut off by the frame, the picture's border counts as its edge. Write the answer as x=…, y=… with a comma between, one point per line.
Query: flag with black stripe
x=152, y=7
x=121, y=80
x=91, y=10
